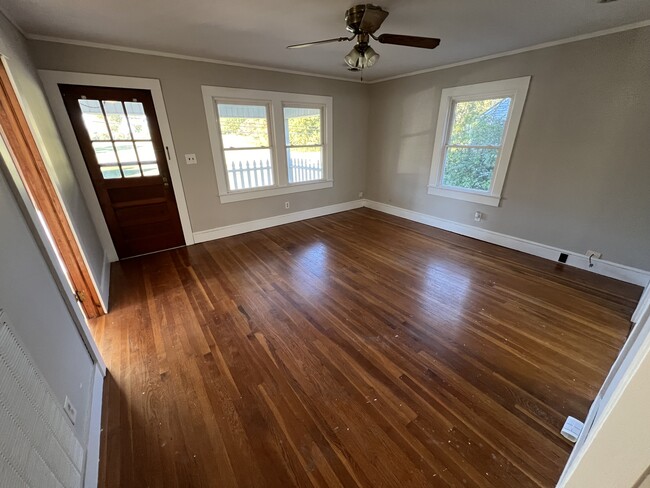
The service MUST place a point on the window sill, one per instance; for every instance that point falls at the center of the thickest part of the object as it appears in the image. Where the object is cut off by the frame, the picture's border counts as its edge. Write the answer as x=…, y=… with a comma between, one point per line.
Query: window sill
x=271, y=192
x=468, y=196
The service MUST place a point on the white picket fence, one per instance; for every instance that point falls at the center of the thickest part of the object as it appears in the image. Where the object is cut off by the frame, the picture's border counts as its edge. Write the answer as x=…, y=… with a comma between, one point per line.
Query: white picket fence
x=243, y=175
x=305, y=170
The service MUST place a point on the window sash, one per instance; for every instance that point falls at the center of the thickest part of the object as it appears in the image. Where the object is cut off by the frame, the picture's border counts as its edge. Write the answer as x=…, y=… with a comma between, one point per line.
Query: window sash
x=288, y=146
x=240, y=176
x=448, y=133
x=516, y=89
x=320, y=108
x=257, y=103
x=275, y=101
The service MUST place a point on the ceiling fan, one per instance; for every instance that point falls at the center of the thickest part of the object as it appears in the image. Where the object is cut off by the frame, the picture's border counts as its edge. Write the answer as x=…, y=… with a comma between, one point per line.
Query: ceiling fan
x=363, y=21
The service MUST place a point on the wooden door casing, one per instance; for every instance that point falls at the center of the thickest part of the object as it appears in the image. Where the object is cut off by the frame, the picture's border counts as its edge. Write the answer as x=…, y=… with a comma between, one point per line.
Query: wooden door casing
x=33, y=171
x=140, y=212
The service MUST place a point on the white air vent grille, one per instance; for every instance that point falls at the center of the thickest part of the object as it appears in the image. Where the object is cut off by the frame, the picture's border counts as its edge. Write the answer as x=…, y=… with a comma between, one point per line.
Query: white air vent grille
x=38, y=447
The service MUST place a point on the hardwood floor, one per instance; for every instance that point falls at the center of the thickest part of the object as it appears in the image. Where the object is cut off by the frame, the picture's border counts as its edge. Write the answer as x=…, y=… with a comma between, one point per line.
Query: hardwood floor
x=357, y=349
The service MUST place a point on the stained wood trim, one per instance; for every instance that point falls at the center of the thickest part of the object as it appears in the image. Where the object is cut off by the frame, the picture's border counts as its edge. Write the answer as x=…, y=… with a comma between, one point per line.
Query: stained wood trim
x=20, y=141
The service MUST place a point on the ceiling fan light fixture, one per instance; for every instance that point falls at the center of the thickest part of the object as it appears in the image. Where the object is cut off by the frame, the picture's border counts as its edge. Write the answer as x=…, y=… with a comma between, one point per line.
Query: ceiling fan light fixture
x=354, y=59
x=363, y=21
x=371, y=56
x=358, y=59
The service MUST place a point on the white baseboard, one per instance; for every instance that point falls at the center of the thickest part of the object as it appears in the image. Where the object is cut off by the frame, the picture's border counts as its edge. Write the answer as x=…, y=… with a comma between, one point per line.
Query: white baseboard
x=235, y=229
x=91, y=474
x=606, y=268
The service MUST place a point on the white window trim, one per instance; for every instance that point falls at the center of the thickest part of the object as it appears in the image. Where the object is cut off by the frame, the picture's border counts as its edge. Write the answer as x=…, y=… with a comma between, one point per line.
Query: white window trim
x=517, y=88
x=275, y=102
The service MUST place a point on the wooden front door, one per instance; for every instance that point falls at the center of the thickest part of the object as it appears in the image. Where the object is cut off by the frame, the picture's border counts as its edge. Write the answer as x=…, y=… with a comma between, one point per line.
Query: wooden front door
x=120, y=140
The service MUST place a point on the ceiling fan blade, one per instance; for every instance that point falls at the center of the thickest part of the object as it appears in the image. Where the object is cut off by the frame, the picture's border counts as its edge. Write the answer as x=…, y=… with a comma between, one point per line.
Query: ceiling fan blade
x=315, y=43
x=411, y=41
x=372, y=19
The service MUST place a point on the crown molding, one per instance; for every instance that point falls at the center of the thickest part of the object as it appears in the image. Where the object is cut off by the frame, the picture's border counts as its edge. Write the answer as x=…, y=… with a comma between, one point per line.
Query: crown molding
x=582, y=37
x=151, y=52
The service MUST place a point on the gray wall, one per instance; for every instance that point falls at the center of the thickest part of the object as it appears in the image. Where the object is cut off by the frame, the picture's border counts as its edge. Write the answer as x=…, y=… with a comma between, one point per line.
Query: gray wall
x=34, y=305
x=579, y=170
x=13, y=46
x=579, y=177
x=181, y=82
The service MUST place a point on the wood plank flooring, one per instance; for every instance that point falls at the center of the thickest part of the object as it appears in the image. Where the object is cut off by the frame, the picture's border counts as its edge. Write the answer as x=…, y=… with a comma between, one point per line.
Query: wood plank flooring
x=356, y=349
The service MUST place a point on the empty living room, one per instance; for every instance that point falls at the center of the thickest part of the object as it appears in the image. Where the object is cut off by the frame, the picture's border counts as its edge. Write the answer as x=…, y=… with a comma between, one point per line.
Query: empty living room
x=325, y=244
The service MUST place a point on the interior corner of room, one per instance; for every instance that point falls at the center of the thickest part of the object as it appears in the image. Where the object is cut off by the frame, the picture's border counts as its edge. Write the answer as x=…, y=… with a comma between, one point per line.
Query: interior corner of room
x=563, y=213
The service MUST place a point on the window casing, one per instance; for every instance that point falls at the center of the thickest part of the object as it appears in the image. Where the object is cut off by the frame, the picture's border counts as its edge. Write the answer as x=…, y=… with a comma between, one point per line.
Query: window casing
x=295, y=156
x=476, y=129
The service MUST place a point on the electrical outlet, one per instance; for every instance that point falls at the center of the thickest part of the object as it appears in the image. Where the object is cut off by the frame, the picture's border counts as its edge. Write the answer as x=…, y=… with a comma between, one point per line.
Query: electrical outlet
x=478, y=216
x=190, y=159
x=286, y=204
x=594, y=254
x=70, y=411
x=360, y=194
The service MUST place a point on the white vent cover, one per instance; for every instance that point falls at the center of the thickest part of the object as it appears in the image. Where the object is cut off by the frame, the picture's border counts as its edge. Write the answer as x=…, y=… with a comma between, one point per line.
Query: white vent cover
x=38, y=447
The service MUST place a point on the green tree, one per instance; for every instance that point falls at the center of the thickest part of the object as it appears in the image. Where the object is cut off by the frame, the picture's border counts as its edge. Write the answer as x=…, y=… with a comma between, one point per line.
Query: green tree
x=253, y=129
x=304, y=130
x=476, y=123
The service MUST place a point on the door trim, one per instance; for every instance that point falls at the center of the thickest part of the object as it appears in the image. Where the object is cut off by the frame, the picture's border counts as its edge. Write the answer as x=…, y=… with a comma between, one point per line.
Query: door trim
x=51, y=79
x=27, y=153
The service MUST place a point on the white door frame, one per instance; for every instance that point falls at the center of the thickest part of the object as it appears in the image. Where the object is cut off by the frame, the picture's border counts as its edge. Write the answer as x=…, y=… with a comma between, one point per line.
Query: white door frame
x=51, y=79
x=636, y=347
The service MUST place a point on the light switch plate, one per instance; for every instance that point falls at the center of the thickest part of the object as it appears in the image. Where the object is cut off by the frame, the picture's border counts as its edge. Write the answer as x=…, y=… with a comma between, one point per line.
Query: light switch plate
x=190, y=158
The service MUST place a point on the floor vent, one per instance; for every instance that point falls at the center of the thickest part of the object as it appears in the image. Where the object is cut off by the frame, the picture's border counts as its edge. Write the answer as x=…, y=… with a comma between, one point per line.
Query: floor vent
x=38, y=446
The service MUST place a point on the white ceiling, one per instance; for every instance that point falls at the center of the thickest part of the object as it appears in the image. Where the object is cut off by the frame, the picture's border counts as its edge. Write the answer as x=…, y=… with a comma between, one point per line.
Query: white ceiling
x=256, y=32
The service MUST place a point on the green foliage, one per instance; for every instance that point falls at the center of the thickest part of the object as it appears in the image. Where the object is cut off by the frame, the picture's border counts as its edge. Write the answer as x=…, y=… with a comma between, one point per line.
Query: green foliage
x=304, y=130
x=476, y=123
x=469, y=168
x=253, y=129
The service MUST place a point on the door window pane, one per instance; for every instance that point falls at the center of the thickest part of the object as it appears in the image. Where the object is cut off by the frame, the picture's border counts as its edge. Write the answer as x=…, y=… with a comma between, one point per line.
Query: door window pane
x=243, y=126
x=131, y=170
x=94, y=120
x=146, y=152
x=104, y=152
x=150, y=170
x=137, y=120
x=117, y=121
x=305, y=164
x=250, y=168
x=111, y=172
x=126, y=152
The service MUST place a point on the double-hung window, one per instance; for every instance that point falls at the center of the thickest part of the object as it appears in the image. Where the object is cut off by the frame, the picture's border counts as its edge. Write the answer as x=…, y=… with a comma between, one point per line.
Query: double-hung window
x=268, y=143
x=246, y=142
x=476, y=130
